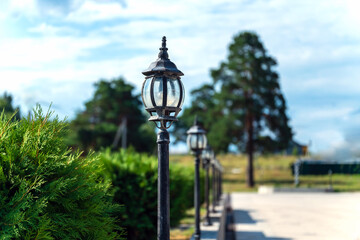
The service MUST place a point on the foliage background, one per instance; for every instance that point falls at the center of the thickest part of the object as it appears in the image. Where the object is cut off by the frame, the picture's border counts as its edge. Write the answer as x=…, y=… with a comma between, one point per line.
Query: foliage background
x=45, y=191
x=134, y=178
x=113, y=102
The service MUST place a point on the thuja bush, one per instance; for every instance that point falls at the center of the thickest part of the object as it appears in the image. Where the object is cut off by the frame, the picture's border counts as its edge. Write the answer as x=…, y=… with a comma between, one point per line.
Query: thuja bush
x=46, y=192
x=134, y=179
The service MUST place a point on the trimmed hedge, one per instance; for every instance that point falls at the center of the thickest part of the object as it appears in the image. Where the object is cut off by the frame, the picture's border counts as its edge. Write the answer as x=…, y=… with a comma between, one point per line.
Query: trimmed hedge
x=134, y=178
x=322, y=168
x=45, y=191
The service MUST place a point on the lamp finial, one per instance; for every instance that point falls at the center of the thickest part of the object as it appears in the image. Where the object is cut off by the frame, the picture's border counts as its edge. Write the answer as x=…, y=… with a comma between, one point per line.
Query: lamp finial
x=163, y=50
x=196, y=120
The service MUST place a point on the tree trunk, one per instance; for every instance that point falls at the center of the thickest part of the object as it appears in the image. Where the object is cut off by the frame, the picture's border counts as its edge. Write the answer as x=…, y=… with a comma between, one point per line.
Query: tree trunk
x=250, y=150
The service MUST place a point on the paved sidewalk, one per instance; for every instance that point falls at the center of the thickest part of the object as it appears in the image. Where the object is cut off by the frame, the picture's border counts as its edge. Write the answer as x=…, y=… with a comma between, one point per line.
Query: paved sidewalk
x=297, y=216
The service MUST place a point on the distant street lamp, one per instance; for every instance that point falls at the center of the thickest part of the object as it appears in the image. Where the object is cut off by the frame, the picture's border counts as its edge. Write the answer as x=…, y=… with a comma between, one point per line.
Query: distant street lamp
x=196, y=141
x=206, y=158
x=214, y=184
x=217, y=170
x=219, y=180
x=163, y=95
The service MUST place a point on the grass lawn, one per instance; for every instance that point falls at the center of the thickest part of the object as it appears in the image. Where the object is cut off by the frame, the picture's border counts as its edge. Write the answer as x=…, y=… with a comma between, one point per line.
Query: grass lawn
x=186, y=228
x=272, y=170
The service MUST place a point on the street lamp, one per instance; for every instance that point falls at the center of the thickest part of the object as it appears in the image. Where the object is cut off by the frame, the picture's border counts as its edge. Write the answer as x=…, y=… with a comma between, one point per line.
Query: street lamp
x=163, y=95
x=219, y=171
x=221, y=180
x=214, y=187
x=206, y=157
x=196, y=141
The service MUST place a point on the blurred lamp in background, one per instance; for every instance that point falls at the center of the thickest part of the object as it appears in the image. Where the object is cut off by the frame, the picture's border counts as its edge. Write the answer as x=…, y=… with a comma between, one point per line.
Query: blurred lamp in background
x=163, y=95
x=217, y=182
x=214, y=186
x=196, y=141
x=206, y=158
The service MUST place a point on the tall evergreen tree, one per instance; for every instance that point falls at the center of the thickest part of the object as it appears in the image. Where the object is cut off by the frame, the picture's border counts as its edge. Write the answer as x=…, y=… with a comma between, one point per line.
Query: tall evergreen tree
x=244, y=107
x=113, y=107
x=6, y=105
x=250, y=92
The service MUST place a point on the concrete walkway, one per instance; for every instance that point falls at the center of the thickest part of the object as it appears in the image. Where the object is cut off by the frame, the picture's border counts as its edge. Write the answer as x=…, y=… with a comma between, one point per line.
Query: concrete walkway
x=297, y=216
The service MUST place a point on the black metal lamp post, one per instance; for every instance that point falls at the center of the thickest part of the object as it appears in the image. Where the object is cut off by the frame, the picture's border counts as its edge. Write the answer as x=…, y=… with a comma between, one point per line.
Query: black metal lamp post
x=206, y=157
x=196, y=141
x=163, y=95
x=213, y=168
x=218, y=179
x=217, y=170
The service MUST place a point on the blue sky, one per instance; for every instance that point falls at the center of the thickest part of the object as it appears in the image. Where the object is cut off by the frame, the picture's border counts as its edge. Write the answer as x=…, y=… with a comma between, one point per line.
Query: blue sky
x=53, y=51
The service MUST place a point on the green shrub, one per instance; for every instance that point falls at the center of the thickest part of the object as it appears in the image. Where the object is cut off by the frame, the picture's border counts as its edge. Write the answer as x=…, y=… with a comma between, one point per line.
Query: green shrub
x=46, y=192
x=134, y=178
x=182, y=191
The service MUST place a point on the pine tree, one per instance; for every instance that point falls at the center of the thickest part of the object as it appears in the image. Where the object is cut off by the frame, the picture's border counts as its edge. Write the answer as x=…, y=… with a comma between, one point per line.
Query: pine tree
x=6, y=105
x=250, y=93
x=113, y=103
x=46, y=192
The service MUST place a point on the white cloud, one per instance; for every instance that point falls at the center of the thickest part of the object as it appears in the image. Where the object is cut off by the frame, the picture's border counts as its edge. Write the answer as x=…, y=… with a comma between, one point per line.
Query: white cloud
x=38, y=53
x=348, y=147
x=314, y=114
x=325, y=139
x=20, y=7
x=48, y=30
x=96, y=11
x=323, y=125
